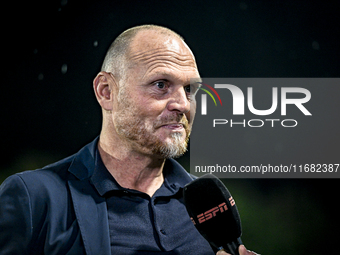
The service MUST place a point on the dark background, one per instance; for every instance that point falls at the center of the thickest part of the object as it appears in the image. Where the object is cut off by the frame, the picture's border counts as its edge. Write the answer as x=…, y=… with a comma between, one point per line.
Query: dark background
x=52, y=50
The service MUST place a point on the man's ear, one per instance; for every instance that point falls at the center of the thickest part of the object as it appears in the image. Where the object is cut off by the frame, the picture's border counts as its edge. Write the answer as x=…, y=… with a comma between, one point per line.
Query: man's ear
x=102, y=85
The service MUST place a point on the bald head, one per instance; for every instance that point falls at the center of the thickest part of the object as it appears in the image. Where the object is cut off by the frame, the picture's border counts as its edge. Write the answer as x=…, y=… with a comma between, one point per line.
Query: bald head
x=117, y=57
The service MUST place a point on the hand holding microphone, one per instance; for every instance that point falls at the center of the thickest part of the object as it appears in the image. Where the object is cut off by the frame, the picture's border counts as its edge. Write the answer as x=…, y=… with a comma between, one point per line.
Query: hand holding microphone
x=213, y=211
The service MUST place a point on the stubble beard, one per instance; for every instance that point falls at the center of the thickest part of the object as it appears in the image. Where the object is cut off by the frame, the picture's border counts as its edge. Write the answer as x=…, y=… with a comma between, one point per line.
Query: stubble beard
x=132, y=127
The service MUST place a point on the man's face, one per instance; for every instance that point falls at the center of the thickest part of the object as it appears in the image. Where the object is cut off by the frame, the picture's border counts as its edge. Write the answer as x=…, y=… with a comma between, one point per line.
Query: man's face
x=152, y=110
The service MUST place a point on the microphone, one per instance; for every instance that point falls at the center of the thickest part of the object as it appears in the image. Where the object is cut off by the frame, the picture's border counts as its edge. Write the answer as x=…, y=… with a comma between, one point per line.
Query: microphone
x=214, y=213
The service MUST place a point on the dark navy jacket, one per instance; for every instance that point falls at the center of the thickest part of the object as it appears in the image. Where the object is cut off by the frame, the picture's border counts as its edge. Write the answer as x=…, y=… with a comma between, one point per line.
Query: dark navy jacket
x=56, y=210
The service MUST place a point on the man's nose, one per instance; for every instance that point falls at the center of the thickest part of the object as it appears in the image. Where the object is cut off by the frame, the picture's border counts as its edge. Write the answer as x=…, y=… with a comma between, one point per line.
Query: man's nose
x=179, y=101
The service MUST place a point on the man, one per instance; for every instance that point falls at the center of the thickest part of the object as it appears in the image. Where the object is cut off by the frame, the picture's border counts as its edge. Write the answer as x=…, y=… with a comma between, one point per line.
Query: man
x=122, y=193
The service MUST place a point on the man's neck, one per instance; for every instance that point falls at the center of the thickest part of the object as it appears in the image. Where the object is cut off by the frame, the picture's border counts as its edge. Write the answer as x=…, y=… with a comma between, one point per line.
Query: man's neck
x=132, y=170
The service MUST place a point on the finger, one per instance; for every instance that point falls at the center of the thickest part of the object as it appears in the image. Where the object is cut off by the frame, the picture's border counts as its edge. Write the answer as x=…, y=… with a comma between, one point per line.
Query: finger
x=243, y=251
x=222, y=252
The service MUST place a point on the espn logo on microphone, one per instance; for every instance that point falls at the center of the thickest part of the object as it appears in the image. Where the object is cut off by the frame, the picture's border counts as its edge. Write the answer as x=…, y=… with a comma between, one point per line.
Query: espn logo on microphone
x=211, y=213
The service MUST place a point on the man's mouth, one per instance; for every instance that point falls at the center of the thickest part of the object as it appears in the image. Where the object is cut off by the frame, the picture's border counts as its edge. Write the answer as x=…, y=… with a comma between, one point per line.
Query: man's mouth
x=174, y=126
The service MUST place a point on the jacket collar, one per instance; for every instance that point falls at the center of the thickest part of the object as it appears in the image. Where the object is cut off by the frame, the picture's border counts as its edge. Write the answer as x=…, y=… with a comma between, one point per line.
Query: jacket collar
x=83, y=163
x=89, y=207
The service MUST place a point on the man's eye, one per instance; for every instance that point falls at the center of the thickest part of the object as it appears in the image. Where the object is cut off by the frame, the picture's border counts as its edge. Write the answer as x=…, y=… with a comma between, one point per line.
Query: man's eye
x=160, y=84
x=187, y=88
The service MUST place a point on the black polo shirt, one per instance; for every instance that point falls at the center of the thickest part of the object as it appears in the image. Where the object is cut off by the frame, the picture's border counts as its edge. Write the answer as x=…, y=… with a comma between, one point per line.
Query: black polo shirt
x=140, y=224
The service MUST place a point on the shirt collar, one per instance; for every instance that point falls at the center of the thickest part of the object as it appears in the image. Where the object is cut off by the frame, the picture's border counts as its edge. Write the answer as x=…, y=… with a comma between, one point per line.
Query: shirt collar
x=175, y=177
x=102, y=180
